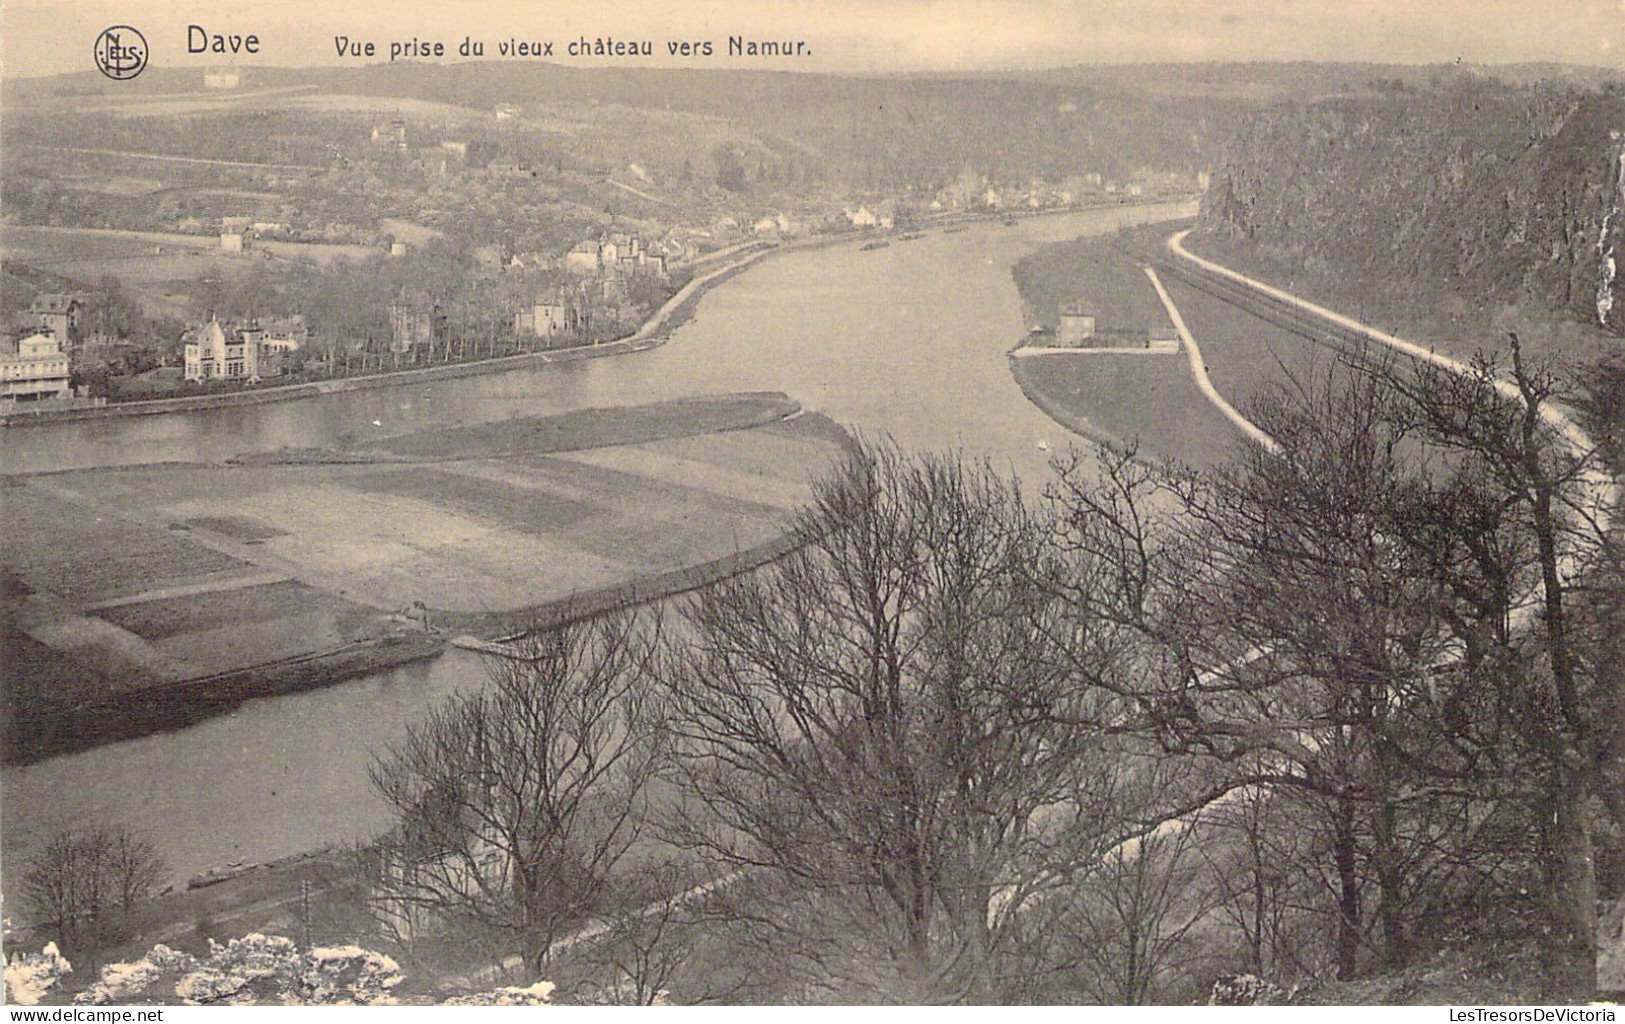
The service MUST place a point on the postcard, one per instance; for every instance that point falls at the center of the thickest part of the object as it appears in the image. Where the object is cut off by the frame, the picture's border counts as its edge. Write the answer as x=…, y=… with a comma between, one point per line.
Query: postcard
x=982, y=502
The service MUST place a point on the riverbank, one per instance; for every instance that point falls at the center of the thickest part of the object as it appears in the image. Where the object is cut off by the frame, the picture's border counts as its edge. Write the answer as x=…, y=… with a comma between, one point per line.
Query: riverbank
x=35, y=733
x=905, y=343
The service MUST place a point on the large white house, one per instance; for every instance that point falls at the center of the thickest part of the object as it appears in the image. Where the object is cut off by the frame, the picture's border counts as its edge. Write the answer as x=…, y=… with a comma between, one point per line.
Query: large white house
x=34, y=368
x=218, y=351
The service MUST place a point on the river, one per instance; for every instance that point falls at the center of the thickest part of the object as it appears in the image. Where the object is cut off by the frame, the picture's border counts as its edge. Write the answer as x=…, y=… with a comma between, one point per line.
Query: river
x=906, y=341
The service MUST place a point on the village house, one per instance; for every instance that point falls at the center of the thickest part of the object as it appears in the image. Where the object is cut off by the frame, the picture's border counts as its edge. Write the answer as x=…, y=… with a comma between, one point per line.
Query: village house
x=671, y=249
x=391, y=133
x=510, y=169
x=284, y=333
x=223, y=351
x=780, y=224
x=545, y=318
x=33, y=368
x=582, y=258
x=58, y=315
x=533, y=261
x=617, y=255
x=416, y=322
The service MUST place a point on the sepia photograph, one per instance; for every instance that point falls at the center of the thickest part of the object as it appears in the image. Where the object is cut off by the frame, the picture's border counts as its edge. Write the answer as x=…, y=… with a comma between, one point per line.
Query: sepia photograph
x=1017, y=503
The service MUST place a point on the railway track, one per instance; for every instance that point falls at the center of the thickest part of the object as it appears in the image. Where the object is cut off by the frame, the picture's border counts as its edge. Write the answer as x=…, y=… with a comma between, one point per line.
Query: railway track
x=1266, y=307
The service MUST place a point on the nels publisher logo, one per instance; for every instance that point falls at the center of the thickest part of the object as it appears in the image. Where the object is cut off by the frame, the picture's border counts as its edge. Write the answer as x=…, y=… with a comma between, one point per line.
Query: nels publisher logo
x=121, y=52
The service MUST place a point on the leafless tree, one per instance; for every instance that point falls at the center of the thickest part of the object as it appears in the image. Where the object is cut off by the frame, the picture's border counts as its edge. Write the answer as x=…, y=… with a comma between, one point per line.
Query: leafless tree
x=85, y=883
x=878, y=726
x=1127, y=923
x=1404, y=615
x=1259, y=866
x=1534, y=571
x=666, y=941
x=517, y=803
x=1299, y=626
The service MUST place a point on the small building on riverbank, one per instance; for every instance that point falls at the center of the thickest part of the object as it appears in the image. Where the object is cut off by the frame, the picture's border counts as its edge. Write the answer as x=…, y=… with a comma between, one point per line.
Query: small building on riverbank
x=1077, y=326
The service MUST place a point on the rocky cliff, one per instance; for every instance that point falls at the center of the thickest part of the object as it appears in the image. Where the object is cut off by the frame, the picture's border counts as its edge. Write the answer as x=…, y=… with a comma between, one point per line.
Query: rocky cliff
x=1497, y=194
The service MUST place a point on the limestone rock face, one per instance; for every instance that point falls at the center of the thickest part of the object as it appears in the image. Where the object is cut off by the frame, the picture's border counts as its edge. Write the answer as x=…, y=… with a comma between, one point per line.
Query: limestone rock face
x=1496, y=194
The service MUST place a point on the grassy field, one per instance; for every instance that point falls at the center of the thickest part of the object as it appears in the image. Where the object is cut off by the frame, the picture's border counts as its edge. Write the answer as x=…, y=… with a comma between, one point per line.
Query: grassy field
x=157, y=267
x=1090, y=271
x=1149, y=401
x=117, y=580
x=1246, y=355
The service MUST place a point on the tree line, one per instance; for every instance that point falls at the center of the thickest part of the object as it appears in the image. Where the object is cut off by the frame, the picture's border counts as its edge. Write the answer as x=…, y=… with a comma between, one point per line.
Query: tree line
x=1317, y=716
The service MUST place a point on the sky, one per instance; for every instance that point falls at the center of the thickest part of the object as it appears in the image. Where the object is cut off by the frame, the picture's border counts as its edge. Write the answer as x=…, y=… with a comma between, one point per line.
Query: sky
x=53, y=36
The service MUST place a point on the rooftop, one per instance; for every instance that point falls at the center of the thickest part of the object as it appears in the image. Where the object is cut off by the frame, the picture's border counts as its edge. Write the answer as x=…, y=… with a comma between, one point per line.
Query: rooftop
x=52, y=303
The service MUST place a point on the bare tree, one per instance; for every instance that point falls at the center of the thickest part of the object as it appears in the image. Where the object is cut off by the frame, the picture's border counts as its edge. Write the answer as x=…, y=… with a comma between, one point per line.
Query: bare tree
x=1299, y=626
x=1535, y=573
x=516, y=804
x=660, y=944
x=86, y=883
x=1405, y=616
x=879, y=727
x=1259, y=865
x=1125, y=926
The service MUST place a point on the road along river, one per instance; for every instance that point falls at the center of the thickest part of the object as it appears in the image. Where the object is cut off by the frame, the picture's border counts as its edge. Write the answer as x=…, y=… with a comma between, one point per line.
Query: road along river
x=907, y=340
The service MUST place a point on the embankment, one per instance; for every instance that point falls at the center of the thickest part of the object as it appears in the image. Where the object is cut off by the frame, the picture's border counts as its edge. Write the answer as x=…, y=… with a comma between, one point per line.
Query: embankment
x=35, y=733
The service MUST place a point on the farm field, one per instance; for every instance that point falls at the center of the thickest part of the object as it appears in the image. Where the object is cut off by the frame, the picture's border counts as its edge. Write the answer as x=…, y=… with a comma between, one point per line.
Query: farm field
x=117, y=580
x=157, y=267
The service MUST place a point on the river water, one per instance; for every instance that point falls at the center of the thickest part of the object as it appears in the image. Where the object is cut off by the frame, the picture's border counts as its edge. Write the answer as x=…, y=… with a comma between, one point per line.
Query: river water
x=908, y=341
